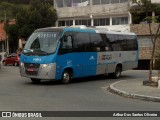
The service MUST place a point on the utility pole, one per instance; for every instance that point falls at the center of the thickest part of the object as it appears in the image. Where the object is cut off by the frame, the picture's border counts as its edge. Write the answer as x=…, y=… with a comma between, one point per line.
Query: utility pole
x=6, y=43
x=54, y=4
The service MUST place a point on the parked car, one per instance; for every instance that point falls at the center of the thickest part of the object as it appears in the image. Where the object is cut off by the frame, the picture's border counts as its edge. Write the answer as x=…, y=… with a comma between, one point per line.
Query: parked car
x=12, y=59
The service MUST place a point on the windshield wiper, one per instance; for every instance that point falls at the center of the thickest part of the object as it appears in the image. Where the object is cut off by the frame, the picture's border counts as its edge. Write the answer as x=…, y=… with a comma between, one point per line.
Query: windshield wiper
x=40, y=52
x=35, y=52
x=28, y=50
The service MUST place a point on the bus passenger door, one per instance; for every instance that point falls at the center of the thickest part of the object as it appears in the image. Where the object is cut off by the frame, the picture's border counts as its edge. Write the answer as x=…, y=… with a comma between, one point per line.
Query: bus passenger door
x=67, y=58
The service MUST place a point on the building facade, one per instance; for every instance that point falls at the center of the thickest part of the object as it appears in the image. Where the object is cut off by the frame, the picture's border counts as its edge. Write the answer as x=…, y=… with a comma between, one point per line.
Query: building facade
x=145, y=44
x=110, y=14
x=141, y=28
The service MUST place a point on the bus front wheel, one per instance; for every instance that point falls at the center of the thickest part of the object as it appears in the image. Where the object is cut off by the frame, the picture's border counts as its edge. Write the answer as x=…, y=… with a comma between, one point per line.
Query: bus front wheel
x=34, y=80
x=66, y=77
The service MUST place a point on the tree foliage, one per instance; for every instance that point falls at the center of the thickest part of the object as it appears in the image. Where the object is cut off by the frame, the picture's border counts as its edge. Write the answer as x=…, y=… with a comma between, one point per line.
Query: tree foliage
x=143, y=11
x=8, y=10
x=38, y=15
x=12, y=35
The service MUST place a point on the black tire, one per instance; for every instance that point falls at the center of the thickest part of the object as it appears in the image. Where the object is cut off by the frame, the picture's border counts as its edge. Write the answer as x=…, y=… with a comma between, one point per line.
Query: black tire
x=117, y=72
x=66, y=77
x=35, y=80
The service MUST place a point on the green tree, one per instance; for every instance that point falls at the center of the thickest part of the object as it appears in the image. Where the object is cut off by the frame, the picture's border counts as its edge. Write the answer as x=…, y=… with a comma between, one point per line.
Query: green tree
x=39, y=15
x=12, y=33
x=144, y=9
x=8, y=10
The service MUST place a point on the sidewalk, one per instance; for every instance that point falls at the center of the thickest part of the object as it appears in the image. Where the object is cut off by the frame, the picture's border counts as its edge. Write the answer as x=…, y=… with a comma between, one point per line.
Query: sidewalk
x=135, y=89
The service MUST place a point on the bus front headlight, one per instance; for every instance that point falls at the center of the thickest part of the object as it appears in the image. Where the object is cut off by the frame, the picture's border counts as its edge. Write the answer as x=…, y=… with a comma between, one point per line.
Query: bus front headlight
x=45, y=65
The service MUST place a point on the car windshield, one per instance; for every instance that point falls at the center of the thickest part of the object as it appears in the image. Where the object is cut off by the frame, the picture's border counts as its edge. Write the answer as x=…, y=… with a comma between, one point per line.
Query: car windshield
x=41, y=43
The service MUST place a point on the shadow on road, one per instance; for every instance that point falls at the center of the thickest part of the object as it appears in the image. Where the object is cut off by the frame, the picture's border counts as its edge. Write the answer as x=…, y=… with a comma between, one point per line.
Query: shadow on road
x=81, y=80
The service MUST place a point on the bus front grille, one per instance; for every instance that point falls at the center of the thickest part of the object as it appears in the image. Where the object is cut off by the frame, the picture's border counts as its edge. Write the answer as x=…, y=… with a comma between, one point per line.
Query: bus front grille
x=31, y=68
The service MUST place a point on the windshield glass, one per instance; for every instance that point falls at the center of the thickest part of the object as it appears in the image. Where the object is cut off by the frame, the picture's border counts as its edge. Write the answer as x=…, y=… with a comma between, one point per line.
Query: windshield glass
x=41, y=43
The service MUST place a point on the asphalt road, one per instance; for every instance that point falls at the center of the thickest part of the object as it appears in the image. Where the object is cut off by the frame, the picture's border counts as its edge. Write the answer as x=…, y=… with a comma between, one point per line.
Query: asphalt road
x=87, y=94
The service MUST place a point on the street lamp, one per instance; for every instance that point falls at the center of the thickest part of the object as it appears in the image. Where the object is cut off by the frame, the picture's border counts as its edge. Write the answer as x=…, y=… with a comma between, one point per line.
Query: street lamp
x=91, y=17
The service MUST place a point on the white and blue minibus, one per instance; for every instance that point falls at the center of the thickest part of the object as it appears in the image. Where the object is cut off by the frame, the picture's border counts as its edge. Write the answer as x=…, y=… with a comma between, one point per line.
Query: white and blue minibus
x=66, y=53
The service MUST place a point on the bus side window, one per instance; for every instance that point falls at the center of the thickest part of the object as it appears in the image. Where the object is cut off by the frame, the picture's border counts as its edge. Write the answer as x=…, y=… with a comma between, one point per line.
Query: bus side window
x=100, y=42
x=106, y=43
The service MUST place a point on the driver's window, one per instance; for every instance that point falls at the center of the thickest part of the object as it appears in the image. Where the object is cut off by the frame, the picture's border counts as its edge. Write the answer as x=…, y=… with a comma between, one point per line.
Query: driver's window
x=66, y=43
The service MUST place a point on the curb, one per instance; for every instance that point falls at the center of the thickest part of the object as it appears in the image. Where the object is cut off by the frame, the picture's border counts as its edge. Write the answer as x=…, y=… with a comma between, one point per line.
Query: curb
x=112, y=89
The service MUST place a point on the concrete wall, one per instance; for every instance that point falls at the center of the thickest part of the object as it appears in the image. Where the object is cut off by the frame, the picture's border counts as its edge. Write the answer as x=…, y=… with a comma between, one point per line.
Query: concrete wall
x=143, y=30
x=94, y=10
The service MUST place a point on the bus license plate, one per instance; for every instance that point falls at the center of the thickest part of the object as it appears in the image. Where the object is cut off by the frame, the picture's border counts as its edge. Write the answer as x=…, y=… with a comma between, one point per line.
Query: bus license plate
x=30, y=69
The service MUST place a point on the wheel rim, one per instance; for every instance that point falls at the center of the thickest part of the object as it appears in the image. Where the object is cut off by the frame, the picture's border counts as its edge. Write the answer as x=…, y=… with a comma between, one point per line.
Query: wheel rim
x=66, y=76
x=118, y=72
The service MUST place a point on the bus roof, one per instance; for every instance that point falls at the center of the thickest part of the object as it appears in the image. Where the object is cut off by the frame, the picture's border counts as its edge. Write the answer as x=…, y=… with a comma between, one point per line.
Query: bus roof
x=82, y=29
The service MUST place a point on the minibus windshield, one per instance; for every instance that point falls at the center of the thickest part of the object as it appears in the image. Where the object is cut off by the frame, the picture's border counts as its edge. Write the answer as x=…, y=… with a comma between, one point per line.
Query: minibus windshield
x=41, y=43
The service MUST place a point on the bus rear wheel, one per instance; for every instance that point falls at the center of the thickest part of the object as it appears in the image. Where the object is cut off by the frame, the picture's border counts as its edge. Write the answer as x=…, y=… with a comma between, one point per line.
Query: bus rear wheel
x=66, y=77
x=117, y=72
x=35, y=80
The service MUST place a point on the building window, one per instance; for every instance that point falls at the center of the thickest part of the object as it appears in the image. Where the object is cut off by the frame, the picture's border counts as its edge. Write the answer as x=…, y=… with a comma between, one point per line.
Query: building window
x=68, y=3
x=114, y=1
x=96, y=2
x=144, y=41
x=122, y=1
x=69, y=22
x=78, y=3
x=101, y=22
x=71, y=3
x=59, y=3
x=86, y=22
x=65, y=23
x=61, y=23
x=105, y=1
x=119, y=20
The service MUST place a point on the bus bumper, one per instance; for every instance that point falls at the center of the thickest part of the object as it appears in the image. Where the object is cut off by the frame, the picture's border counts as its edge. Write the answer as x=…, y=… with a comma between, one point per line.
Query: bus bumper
x=38, y=71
